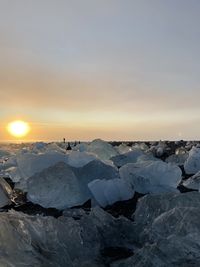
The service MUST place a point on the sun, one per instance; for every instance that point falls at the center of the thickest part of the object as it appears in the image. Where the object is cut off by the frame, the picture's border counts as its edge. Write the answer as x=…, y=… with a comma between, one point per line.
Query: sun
x=18, y=128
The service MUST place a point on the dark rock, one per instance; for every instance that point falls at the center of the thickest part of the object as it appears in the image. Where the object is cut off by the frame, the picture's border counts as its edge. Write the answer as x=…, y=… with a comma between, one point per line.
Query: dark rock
x=111, y=254
x=125, y=208
x=183, y=189
x=35, y=209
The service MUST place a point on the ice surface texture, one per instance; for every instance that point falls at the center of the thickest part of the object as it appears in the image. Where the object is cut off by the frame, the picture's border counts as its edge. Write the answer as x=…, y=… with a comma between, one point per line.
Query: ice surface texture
x=62, y=186
x=107, y=192
x=45, y=241
x=192, y=164
x=151, y=176
x=167, y=227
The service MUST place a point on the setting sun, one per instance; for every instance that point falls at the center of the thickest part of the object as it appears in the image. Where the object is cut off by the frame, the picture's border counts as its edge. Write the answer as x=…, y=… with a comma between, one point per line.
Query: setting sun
x=18, y=128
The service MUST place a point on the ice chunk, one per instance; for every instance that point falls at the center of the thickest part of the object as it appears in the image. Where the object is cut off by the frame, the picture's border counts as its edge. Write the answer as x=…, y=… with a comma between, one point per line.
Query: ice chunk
x=57, y=187
x=112, y=232
x=181, y=151
x=174, y=240
x=46, y=241
x=170, y=224
x=27, y=164
x=79, y=159
x=62, y=186
x=5, y=193
x=102, y=149
x=178, y=159
x=141, y=146
x=193, y=182
x=130, y=157
x=192, y=164
x=151, y=206
x=123, y=148
x=4, y=155
x=107, y=192
x=96, y=169
x=151, y=176
x=82, y=147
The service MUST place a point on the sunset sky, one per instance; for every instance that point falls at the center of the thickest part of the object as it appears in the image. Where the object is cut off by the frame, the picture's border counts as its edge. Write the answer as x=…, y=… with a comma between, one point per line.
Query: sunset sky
x=110, y=69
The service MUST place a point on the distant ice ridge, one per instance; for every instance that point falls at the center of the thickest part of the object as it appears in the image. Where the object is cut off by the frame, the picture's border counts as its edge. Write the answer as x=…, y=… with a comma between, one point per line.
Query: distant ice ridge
x=102, y=149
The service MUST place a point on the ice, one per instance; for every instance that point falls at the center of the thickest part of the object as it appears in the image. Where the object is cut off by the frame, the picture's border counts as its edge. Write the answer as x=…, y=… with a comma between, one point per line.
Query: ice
x=163, y=231
x=193, y=182
x=107, y=192
x=62, y=186
x=102, y=149
x=82, y=147
x=178, y=159
x=96, y=169
x=4, y=155
x=27, y=164
x=173, y=239
x=123, y=148
x=56, y=187
x=181, y=151
x=151, y=206
x=192, y=164
x=79, y=159
x=112, y=232
x=45, y=241
x=39, y=147
x=167, y=227
x=141, y=146
x=130, y=157
x=5, y=193
x=151, y=176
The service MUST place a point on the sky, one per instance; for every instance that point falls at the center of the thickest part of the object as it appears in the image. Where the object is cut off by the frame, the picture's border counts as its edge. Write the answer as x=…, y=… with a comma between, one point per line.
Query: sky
x=110, y=69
